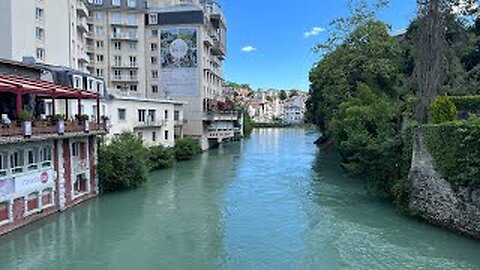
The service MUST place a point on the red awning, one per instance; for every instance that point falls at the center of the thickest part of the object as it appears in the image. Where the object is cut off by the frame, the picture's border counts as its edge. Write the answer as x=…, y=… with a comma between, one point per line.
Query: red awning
x=22, y=85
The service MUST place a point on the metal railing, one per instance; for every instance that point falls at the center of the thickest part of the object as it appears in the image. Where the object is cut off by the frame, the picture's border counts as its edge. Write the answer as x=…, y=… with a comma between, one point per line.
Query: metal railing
x=41, y=128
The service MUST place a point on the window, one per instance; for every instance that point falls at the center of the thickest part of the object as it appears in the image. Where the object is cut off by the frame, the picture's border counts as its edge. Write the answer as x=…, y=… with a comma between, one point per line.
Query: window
x=122, y=114
x=154, y=33
x=141, y=115
x=133, y=87
x=32, y=160
x=47, y=197
x=133, y=75
x=166, y=114
x=132, y=45
x=133, y=61
x=116, y=3
x=98, y=30
x=154, y=136
x=40, y=54
x=117, y=45
x=166, y=135
x=154, y=74
x=16, y=162
x=153, y=47
x=99, y=72
x=4, y=211
x=152, y=19
x=100, y=58
x=99, y=44
x=46, y=156
x=98, y=2
x=117, y=74
x=80, y=185
x=153, y=60
x=40, y=34
x=151, y=115
x=132, y=19
x=32, y=202
x=154, y=88
x=39, y=13
x=132, y=3
x=116, y=17
x=3, y=165
x=176, y=115
x=117, y=60
x=75, y=149
x=98, y=15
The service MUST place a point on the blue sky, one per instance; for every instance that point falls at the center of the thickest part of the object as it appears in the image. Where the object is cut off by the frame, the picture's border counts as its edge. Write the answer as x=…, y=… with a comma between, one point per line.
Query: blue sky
x=280, y=55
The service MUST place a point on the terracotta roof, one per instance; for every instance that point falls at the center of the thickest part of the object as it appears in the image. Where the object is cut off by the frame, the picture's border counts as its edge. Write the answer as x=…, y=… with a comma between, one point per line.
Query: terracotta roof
x=15, y=84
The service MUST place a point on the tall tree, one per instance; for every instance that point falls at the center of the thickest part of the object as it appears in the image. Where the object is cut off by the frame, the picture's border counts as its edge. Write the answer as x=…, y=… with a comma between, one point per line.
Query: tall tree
x=431, y=59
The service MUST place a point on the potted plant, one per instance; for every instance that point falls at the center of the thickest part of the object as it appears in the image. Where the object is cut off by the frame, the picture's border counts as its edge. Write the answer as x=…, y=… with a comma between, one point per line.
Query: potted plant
x=59, y=120
x=84, y=120
x=106, y=122
x=25, y=117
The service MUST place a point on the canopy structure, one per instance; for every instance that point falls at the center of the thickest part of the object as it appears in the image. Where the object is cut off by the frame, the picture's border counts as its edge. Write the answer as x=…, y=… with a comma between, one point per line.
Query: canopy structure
x=43, y=89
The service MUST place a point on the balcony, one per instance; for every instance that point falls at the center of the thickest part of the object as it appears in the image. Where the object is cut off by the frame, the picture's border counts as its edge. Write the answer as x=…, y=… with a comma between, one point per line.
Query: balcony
x=82, y=24
x=220, y=134
x=83, y=57
x=151, y=124
x=124, y=36
x=125, y=78
x=44, y=129
x=220, y=116
x=125, y=66
x=82, y=9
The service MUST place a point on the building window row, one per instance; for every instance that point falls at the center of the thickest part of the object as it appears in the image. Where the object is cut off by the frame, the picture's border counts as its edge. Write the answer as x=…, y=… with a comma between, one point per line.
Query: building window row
x=25, y=160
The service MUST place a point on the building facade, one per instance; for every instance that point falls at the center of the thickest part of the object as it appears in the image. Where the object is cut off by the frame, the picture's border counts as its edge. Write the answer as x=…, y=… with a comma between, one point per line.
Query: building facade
x=51, y=32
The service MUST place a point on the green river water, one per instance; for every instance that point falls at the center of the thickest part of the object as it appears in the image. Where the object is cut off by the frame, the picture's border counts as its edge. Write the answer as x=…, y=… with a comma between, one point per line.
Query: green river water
x=273, y=201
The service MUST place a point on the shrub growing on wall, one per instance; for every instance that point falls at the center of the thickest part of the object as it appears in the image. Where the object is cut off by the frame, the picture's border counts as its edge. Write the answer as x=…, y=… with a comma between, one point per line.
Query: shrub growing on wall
x=122, y=163
x=455, y=148
x=186, y=149
x=443, y=110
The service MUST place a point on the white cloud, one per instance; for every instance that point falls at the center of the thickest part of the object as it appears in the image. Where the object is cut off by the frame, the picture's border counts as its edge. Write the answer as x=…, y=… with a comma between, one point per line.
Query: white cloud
x=249, y=49
x=316, y=30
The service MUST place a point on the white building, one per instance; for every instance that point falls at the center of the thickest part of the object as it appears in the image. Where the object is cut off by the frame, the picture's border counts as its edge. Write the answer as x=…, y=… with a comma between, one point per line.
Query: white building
x=52, y=32
x=294, y=110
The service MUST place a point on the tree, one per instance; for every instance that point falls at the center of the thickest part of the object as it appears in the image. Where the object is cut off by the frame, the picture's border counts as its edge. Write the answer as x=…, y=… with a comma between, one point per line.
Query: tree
x=122, y=163
x=283, y=95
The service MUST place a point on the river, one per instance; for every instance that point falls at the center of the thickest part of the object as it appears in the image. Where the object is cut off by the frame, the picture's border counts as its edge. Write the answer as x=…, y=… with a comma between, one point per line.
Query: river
x=273, y=201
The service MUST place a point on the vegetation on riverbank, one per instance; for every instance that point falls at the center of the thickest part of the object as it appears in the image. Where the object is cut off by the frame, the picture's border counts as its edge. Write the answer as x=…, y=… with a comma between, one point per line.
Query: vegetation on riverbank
x=369, y=89
x=124, y=163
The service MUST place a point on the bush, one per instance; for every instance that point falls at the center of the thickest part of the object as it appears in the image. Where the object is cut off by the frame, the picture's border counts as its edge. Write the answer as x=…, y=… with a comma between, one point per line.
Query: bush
x=25, y=116
x=247, y=124
x=186, y=149
x=443, y=110
x=455, y=148
x=469, y=104
x=160, y=157
x=122, y=163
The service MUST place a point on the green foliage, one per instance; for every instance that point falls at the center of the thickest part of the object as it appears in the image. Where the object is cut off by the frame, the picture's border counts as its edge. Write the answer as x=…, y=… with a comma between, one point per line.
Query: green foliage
x=25, y=116
x=469, y=104
x=283, y=95
x=248, y=124
x=235, y=85
x=455, y=147
x=369, y=55
x=365, y=132
x=443, y=110
x=186, y=149
x=160, y=157
x=122, y=163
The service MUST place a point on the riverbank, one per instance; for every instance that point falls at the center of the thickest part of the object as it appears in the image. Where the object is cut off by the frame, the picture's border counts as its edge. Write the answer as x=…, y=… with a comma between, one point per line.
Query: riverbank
x=259, y=203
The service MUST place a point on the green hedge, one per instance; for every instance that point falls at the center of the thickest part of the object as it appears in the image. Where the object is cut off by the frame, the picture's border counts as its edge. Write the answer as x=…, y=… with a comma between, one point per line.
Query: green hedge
x=443, y=110
x=467, y=103
x=160, y=157
x=455, y=147
x=186, y=149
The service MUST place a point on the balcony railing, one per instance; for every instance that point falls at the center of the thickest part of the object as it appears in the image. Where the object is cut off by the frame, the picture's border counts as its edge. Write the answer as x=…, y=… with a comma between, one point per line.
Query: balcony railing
x=42, y=128
x=125, y=78
x=151, y=124
x=217, y=134
x=124, y=36
x=82, y=24
x=221, y=116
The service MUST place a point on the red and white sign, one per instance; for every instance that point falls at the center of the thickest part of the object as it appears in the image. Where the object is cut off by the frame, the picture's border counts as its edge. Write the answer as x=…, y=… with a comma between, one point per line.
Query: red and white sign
x=34, y=181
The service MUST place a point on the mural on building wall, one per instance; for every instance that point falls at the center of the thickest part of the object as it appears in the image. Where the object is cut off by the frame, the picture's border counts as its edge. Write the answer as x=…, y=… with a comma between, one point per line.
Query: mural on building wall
x=179, y=62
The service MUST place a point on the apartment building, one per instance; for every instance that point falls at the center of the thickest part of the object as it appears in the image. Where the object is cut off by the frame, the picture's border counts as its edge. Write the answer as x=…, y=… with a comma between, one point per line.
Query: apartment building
x=51, y=32
x=157, y=52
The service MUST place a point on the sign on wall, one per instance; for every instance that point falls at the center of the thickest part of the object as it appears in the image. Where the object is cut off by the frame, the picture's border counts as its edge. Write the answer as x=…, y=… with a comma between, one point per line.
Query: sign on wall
x=179, y=62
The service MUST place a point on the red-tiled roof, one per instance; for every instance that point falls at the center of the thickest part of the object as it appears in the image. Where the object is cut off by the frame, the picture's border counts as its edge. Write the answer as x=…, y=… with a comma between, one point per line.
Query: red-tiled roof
x=15, y=84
